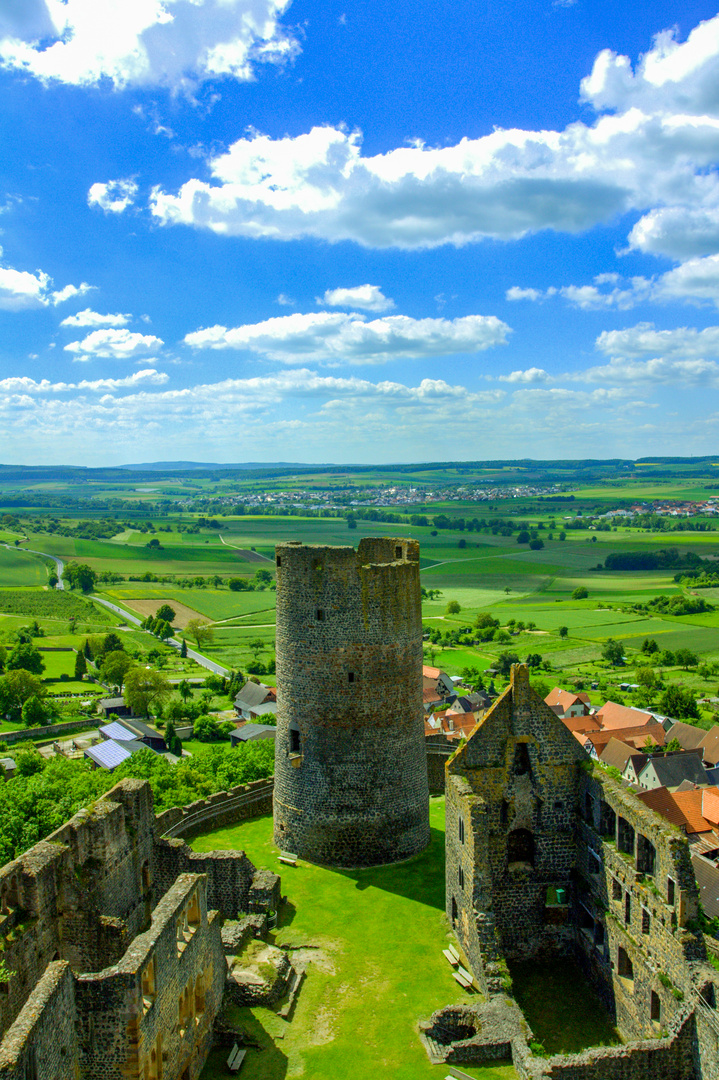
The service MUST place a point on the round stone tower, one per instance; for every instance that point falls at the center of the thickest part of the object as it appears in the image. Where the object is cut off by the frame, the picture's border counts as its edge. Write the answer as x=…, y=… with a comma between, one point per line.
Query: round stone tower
x=350, y=761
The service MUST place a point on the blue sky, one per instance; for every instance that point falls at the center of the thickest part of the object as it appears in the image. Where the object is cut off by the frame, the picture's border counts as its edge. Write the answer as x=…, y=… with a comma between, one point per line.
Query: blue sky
x=251, y=230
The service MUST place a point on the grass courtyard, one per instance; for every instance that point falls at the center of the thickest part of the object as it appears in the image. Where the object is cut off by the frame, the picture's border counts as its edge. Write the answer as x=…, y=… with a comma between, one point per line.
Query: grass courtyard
x=374, y=939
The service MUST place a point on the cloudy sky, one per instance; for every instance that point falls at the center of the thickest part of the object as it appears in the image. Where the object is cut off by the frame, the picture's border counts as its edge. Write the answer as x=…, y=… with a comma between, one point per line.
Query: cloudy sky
x=327, y=230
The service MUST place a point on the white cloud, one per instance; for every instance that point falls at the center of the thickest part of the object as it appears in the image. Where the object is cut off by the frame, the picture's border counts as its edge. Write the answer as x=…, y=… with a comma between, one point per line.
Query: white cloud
x=670, y=77
x=114, y=196
x=336, y=338
x=20, y=289
x=531, y=375
x=684, y=373
x=366, y=297
x=24, y=385
x=115, y=344
x=517, y=293
x=174, y=43
x=285, y=300
x=694, y=281
x=644, y=340
x=88, y=317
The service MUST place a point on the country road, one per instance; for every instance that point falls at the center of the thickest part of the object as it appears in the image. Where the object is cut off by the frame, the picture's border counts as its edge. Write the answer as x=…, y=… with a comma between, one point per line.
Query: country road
x=197, y=657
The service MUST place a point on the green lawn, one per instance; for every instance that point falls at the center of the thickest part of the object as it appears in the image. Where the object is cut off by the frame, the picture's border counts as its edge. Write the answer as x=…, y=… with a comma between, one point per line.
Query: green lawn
x=18, y=567
x=544, y=992
x=376, y=938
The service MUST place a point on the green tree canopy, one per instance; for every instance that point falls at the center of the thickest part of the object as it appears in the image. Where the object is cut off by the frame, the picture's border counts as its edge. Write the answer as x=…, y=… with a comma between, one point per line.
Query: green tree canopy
x=166, y=613
x=145, y=688
x=115, y=666
x=27, y=657
x=679, y=703
x=15, y=688
x=201, y=631
x=613, y=652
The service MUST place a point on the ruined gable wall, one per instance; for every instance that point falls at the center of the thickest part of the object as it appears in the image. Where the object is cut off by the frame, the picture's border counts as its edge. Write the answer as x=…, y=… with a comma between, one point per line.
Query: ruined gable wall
x=350, y=762
x=230, y=875
x=626, y=887
x=525, y=765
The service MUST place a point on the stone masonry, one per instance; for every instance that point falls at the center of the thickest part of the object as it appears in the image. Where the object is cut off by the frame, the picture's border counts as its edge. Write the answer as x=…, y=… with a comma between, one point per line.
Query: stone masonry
x=547, y=855
x=350, y=760
x=113, y=937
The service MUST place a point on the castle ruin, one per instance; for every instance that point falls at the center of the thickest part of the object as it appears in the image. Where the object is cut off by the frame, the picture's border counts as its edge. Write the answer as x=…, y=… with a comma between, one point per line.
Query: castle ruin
x=112, y=935
x=548, y=856
x=350, y=761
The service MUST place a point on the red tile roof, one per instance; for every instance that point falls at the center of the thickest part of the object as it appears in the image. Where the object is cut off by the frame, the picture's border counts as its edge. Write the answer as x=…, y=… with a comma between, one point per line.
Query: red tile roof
x=612, y=715
x=565, y=698
x=682, y=808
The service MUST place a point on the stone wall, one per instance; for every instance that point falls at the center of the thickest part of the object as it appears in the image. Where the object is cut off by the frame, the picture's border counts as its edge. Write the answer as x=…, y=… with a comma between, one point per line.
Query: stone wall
x=438, y=754
x=637, y=900
x=42, y=1043
x=24, y=734
x=106, y=907
x=350, y=761
x=221, y=809
x=661, y=1059
x=521, y=768
x=161, y=999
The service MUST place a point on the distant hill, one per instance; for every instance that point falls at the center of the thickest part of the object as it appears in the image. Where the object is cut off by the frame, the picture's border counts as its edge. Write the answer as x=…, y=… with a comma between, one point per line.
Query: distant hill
x=187, y=466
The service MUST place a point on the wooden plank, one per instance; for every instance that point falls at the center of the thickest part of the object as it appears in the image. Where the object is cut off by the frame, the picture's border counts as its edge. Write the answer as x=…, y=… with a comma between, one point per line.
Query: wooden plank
x=461, y=980
x=455, y=952
x=451, y=959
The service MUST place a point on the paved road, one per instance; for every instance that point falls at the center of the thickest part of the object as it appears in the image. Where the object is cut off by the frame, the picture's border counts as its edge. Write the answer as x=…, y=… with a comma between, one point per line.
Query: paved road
x=197, y=657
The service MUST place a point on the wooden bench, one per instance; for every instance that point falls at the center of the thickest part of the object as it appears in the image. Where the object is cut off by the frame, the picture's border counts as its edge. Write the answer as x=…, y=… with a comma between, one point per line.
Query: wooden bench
x=288, y=858
x=234, y=1061
x=451, y=959
x=464, y=983
x=454, y=951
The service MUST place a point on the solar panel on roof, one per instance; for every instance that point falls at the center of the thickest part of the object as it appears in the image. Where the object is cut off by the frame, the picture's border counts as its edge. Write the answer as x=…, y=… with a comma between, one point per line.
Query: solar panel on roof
x=117, y=731
x=108, y=754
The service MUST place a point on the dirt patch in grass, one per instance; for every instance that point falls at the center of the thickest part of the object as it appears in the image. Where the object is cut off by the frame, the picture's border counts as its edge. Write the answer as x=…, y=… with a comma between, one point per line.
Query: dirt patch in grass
x=183, y=613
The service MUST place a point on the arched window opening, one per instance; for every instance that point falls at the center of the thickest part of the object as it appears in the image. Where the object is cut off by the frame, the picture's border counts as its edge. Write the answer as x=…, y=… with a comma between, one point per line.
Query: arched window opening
x=520, y=847
x=455, y=912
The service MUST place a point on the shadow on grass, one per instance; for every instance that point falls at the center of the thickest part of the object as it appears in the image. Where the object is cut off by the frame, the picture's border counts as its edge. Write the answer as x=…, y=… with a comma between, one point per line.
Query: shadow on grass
x=286, y=914
x=542, y=989
x=264, y=1061
x=420, y=878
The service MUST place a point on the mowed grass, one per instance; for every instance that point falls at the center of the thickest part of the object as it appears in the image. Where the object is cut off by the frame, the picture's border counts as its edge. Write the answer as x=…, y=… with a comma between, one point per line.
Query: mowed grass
x=214, y=604
x=21, y=568
x=376, y=938
x=563, y=1026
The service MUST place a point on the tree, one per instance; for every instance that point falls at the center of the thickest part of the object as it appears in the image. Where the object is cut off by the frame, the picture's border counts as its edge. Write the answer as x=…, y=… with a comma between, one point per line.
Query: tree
x=27, y=657
x=523, y=537
x=112, y=643
x=184, y=690
x=504, y=662
x=34, y=712
x=240, y=584
x=679, y=703
x=646, y=676
x=87, y=651
x=613, y=652
x=256, y=645
x=673, y=746
x=536, y=545
x=80, y=576
x=183, y=649
x=453, y=608
x=686, y=658
x=115, y=666
x=534, y=660
x=15, y=688
x=351, y=521
x=649, y=646
x=580, y=593
x=80, y=664
x=263, y=577
x=52, y=579
x=163, y=630
x=201, y=631
x=166, y=613
x=563, y=631
x=145, y=688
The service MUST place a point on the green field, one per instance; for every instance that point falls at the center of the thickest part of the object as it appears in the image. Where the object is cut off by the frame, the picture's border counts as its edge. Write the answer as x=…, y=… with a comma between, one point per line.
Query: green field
x=18, y=567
